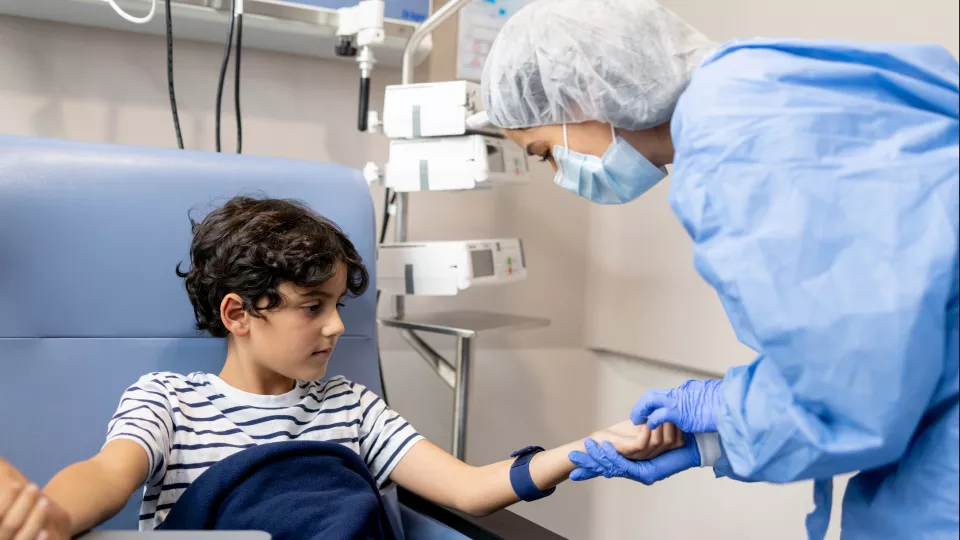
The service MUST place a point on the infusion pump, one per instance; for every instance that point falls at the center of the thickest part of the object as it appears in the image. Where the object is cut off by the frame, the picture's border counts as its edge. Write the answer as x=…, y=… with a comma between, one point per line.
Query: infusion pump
x=437, y=109
x=454, y=163
x=446, y=268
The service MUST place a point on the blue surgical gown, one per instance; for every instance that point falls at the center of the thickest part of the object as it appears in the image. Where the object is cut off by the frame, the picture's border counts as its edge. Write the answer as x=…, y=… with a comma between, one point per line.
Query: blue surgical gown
x=819, y=182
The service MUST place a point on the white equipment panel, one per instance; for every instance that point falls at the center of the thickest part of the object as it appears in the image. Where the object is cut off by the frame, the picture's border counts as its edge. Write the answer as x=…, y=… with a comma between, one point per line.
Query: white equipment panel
x=454, y=163
x=446, y=268
x=439, y=109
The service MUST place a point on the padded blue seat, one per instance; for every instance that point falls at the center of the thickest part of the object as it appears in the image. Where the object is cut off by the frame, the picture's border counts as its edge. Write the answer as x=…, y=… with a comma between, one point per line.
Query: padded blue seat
x=90, y=236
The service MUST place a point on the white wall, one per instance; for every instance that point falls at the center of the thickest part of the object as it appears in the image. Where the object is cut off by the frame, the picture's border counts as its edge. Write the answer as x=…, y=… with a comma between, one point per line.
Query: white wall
x=101, y=86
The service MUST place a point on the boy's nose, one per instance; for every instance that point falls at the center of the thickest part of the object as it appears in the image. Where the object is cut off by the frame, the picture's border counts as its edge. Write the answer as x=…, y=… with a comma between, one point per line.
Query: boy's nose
x=333, y=327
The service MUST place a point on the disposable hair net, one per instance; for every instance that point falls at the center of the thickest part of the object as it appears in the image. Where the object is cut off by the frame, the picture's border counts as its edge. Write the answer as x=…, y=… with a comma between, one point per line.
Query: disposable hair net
x=623, y=62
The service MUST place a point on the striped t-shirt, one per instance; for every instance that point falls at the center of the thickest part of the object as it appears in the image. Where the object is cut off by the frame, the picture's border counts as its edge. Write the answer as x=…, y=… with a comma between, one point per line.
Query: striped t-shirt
x=188, y=423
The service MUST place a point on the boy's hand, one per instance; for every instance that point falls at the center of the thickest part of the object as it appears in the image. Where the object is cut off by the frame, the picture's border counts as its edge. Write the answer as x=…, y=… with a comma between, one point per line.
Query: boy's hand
x=640, y=442
x=9, y=473
x=25, y=514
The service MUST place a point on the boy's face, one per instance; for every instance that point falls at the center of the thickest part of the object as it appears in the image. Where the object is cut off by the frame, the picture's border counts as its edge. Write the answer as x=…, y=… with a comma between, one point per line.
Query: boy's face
x=297, y=338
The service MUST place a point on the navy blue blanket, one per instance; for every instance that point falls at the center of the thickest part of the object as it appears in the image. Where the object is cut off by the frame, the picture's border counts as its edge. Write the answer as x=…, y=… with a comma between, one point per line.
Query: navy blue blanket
x=294, y=490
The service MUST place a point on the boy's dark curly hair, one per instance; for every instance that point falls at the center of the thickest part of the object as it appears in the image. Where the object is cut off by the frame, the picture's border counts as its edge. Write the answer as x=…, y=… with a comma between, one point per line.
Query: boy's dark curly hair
x=249, y=246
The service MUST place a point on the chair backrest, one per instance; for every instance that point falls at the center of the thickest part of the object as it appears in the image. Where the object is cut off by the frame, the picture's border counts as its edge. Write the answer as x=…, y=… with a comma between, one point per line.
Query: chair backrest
x=90, y=236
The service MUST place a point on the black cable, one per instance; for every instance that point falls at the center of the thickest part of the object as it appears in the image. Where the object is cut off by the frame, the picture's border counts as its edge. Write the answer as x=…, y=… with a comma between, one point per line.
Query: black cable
x=170, y=88
x=236, y=83
x=223, y=72
x=364, y=105
x=388, y=199
x=386, y=215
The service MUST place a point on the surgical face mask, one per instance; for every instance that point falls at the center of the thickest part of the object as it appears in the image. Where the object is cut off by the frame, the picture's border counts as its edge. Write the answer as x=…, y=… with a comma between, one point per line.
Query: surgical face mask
x=620, y=176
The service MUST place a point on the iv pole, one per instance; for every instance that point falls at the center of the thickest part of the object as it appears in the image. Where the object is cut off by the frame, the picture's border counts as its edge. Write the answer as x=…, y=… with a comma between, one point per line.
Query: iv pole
x=463, y=327
x=456, y=376
x=422, y=31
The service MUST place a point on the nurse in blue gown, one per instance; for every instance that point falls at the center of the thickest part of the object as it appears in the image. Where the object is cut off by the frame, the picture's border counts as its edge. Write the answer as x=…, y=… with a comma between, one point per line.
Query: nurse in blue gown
x=819, y=183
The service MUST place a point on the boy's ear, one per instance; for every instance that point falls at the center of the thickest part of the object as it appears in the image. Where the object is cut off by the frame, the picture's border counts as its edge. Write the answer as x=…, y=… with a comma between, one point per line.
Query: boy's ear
x=235, y=319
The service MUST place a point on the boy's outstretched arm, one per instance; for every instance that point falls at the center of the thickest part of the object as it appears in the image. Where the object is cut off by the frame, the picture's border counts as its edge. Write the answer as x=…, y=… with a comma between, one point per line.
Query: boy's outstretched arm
x=95, y=490
x=441, y=478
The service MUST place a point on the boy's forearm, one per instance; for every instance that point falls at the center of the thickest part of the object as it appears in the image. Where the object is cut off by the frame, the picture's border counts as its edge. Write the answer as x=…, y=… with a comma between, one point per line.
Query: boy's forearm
x=488, y=488
x=551, y=467
x=439, y=477
x=88, y=493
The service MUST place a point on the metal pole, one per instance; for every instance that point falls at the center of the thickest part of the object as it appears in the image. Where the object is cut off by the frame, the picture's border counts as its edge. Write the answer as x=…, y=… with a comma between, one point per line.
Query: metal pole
x=400, y=235
x=439, y=364
x=465, y=347
x=422, y=31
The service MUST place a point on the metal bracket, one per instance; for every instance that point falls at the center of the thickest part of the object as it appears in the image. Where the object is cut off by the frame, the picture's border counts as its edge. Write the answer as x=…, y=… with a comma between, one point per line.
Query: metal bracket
x=457, y=377
x=464, y=326
x=365, y=20
x=441, y=366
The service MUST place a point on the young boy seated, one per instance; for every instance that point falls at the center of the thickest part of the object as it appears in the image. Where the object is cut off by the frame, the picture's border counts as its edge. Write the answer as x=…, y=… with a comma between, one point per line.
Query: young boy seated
x=270, y=276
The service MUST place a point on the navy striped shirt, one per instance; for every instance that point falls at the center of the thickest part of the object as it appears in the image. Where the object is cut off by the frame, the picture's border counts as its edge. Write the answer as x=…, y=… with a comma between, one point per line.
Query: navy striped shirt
x=185, y=424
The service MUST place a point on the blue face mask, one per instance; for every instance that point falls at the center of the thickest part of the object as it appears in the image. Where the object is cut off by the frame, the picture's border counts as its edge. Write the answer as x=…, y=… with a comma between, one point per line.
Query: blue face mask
x=620, y=176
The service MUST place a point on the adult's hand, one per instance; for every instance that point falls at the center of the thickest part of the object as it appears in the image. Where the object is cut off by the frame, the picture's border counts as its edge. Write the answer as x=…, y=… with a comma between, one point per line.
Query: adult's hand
x=692, y=407
x=604, y=460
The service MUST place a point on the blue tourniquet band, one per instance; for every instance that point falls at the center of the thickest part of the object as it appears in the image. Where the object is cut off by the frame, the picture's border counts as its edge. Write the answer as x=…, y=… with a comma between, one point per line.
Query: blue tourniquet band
x=520, y=477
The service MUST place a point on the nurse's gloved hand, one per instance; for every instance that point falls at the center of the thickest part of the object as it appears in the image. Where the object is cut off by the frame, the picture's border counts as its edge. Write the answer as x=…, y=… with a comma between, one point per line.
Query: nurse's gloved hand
x=603, y=460
x=691, y=407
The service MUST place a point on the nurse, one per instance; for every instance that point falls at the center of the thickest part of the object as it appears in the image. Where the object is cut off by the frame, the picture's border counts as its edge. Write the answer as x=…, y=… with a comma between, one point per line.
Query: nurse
x=819, y=183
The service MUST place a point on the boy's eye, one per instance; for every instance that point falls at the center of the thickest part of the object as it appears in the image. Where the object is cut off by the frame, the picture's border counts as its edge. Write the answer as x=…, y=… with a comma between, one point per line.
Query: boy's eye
x=312, y=309
x=339, y=305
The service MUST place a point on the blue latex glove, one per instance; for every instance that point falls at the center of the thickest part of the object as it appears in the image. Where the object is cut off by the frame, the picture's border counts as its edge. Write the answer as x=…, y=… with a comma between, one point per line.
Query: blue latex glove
x=607, y=462
x=691, y=407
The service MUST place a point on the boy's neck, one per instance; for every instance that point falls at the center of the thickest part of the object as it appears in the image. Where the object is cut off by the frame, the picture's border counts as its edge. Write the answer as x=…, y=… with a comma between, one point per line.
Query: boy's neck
x=245, y=374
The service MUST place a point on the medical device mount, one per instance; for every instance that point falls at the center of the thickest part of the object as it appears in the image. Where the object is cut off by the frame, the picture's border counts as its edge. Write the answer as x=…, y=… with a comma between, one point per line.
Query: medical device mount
x=360, y=27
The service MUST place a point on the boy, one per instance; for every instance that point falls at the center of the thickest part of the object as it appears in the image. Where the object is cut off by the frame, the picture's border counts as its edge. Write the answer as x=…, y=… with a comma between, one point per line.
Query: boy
x=270, y=276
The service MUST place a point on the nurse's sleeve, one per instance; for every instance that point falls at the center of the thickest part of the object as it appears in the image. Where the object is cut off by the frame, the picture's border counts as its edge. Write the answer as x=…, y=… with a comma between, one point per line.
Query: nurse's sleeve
x=819, y=184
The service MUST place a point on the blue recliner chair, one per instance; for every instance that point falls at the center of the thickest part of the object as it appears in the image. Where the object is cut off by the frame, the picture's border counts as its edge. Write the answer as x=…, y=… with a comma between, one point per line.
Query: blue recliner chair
x=90, y=236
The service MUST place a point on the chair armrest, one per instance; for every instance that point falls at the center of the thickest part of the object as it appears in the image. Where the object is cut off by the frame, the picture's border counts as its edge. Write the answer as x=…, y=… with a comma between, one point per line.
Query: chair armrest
x=502, y=525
